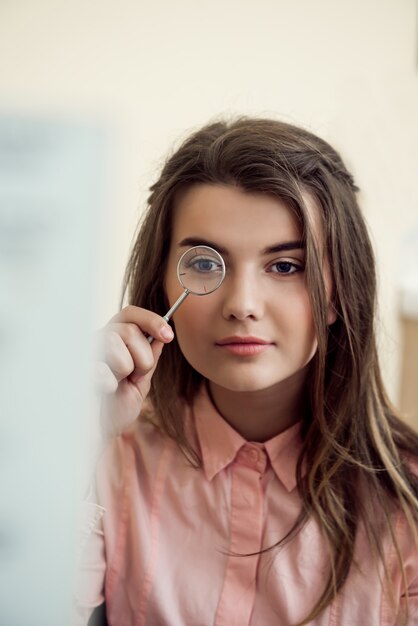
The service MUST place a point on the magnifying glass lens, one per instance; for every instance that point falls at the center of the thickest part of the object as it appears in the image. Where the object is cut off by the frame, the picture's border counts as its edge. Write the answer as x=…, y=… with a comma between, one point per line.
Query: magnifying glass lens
x=201, y=270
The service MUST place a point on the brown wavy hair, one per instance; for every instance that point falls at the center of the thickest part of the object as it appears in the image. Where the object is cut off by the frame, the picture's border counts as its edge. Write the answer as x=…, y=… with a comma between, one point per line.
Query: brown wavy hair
x=354, y=441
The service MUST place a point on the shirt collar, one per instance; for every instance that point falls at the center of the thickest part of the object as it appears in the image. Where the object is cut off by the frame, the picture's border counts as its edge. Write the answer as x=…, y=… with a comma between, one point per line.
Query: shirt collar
x=283, y=451
x=219, y=443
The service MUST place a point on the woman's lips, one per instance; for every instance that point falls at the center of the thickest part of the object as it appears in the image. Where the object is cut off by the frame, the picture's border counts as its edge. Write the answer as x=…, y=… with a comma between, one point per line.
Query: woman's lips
x=244, y=346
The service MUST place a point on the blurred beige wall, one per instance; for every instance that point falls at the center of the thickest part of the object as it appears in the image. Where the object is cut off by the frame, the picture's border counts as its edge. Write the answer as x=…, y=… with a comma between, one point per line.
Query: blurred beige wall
x=150, y=72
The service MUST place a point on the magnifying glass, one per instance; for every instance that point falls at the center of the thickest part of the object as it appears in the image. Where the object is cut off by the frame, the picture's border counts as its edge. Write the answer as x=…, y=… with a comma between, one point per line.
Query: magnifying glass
x=200, y=270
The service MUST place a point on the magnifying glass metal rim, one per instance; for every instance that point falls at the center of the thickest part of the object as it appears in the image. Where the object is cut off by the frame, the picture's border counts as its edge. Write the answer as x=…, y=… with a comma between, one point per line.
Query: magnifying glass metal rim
x=215, y=253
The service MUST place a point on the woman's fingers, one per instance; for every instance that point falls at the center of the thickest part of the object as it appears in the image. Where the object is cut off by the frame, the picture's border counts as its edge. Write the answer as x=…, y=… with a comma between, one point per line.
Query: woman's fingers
x=104, y=379
x=124, y=347
x=127, y=362
x=114, y=352
x=148, y=322
x=143, y=379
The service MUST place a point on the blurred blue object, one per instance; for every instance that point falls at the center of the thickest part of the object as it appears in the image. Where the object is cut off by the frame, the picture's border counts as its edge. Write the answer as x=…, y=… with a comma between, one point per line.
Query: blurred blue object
x=51, y=192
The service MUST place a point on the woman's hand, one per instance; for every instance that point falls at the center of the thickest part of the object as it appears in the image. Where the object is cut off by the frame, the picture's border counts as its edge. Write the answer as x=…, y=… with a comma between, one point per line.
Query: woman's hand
x=126, y=364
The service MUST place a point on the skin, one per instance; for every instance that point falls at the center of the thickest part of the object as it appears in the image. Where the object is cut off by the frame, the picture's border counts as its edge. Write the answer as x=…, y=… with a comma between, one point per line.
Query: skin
x=126, y=363
x=263, y=296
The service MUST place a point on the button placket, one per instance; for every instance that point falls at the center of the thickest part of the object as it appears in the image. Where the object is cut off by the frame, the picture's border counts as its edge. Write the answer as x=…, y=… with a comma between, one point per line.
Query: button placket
x=246, y=523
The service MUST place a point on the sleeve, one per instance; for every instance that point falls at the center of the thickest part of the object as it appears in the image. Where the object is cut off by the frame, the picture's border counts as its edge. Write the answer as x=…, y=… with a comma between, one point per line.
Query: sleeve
x=91, y=564
x=90, y=557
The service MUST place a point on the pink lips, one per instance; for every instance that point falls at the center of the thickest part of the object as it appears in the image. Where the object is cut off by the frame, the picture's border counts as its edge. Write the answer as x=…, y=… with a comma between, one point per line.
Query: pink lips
x=244, y=346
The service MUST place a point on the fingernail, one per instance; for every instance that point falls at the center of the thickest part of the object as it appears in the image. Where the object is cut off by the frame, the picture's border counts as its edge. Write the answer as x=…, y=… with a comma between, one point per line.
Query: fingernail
x=166, y=332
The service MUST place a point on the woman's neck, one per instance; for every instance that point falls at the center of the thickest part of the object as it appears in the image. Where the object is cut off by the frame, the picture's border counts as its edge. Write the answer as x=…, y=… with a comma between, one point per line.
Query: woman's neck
x=263, y=414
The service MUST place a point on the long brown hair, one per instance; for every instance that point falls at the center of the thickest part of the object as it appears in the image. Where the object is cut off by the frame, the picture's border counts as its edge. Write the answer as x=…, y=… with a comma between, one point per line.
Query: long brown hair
x=354, y=442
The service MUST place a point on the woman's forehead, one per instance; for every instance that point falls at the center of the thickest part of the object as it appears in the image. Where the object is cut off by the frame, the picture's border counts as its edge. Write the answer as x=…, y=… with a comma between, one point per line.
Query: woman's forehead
x=228, y=212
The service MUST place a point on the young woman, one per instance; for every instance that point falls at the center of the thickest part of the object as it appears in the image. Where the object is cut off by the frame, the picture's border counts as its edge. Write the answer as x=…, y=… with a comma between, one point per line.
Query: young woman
x=266, y=479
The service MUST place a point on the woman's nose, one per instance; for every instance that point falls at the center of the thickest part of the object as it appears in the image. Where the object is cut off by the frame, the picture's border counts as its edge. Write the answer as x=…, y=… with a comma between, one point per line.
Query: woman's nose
x=241, y=296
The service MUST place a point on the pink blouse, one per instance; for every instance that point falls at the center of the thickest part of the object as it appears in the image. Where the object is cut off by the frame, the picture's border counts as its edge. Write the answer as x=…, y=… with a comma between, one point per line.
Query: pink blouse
x=163, y=543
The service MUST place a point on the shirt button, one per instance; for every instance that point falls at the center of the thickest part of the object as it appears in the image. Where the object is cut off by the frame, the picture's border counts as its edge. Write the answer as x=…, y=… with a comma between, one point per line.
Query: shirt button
x=252, y=454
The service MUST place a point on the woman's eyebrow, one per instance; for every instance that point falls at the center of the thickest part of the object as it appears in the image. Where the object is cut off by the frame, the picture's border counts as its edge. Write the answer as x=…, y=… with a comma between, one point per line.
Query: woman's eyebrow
x=198, y=241
x=282, y=247
x=277, y=247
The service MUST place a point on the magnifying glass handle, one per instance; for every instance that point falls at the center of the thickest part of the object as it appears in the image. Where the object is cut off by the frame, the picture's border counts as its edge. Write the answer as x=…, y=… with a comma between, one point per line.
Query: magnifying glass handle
x=174, y=308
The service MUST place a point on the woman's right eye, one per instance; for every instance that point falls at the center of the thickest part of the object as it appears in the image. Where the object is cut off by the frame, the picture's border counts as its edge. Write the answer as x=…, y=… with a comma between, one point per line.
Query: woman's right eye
x=204, y=265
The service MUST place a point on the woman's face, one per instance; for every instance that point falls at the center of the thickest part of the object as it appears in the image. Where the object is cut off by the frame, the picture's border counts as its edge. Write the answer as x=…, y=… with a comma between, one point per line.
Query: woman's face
x=257, y=329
